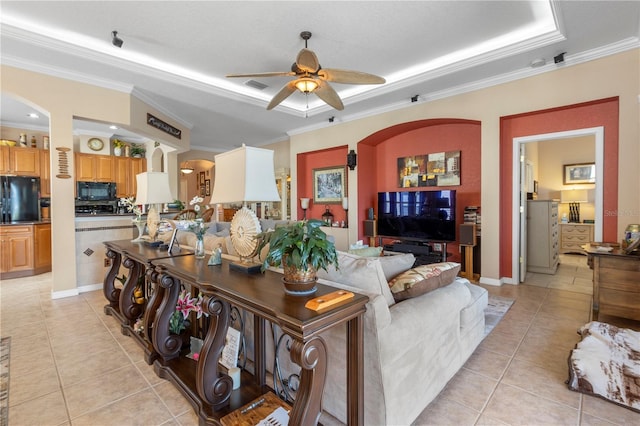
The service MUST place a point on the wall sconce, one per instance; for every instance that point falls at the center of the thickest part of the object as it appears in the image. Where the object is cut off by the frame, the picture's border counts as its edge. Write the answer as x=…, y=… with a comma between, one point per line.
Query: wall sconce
x=115, y=40
x=304, y=204
x=351, y=160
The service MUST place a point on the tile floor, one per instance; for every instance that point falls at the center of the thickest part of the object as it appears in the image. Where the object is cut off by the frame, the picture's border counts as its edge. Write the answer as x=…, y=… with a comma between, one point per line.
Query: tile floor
x=71, y=366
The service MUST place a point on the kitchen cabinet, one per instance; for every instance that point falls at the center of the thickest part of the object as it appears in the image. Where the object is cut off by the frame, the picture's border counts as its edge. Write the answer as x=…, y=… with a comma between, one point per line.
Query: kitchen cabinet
x=20, y=161
x=94, y=168
x=45, y=174
x=126, y=170
x=16, y=242
x=42, y=248
x=26, y=250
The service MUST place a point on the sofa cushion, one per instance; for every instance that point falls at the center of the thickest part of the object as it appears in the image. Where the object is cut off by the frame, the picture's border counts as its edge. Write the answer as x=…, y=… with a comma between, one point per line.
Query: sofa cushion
x=423, y=279
x=395, y=264
x=361, y=272
x=366, y=251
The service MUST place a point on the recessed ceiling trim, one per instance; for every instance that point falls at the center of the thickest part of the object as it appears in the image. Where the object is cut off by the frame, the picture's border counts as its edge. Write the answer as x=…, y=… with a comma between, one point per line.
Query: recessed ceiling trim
x=147, y=100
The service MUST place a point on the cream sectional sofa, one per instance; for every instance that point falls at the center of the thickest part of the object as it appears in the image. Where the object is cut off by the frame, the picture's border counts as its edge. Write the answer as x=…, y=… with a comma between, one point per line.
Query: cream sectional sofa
x=411, y=348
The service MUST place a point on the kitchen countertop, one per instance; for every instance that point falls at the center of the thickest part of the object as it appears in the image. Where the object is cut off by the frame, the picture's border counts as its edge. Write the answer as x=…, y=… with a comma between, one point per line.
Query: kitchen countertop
x=34, y=222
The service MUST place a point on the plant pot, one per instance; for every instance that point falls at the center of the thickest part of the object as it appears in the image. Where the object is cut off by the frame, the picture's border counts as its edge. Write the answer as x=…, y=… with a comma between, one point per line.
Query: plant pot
x=299, y=282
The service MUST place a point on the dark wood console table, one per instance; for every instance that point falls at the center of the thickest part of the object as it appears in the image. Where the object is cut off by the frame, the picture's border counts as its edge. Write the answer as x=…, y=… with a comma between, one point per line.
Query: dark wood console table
x=616, y=282
x=136, y=257
x=206, y=386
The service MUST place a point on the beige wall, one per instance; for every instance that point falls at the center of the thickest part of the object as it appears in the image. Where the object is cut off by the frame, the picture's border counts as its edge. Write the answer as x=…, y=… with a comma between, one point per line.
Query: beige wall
x=62, y=101
x=616, y=75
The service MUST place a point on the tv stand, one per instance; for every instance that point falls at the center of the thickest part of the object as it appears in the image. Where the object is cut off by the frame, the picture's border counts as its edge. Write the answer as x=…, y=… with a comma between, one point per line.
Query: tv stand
x=425, y=251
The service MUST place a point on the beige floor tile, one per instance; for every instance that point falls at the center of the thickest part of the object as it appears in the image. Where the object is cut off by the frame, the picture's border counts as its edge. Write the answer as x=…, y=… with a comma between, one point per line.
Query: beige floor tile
x=589, y=420
x=141, y=408
x=85, y=366
x=45, y=410
x=544, y=382
x=29, y=386
x=486, y=363
x=514, y=406
x=504, y=344
x=485, y=420
x=189, y=419
x=147, y=372
x=609, y=411
x=99, y=391
x=444, y=412
x=469, y=389
x=172, y=398
x=536, y=351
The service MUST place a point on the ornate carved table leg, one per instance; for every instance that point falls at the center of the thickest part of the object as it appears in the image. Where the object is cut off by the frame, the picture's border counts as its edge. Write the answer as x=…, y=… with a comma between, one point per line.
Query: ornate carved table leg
x=167, y=345
x=111, y=293
x=153, y=303
x=312, y=357
x=128, y=307
x=214, y=387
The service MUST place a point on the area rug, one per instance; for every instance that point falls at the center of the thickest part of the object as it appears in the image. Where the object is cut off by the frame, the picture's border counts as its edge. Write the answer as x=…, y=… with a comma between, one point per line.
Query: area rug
x=606, y=364
x=5, y=346
x=495, y=310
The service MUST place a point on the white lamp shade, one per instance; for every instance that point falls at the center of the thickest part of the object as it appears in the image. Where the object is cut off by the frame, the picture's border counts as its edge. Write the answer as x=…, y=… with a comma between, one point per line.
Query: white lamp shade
x=304, y=203
x=345, y=203
x=244, y=174
x=153, y=188
x=574, y=196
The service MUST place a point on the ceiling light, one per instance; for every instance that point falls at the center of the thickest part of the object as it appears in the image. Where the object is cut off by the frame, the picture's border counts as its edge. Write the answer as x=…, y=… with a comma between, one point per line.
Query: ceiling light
x=306, y=84
x=186, y=169
x=536, y=63
x=117, y=41
x=33, y=115
x=112, y=127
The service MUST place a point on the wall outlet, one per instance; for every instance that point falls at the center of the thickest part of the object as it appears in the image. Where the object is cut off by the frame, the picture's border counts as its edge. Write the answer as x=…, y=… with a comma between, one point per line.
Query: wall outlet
x=107, y=262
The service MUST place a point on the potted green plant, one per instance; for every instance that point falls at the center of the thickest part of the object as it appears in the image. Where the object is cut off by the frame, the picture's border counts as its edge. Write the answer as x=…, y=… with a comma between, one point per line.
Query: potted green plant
x=137, y=151
x=301, y=248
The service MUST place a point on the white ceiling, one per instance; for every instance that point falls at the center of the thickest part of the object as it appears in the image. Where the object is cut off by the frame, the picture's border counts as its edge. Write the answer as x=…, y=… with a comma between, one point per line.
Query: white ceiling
x=176, y=54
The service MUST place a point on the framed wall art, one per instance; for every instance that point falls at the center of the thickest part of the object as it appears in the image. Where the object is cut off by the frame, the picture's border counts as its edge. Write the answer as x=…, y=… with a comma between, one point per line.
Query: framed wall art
x=329, y=185
x=207, y=187
x=436, y=169
x=579, y=173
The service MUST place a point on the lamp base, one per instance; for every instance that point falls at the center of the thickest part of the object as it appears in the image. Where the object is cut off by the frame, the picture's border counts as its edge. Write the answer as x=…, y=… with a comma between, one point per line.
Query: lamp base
x=246, y=267
x=574, y=212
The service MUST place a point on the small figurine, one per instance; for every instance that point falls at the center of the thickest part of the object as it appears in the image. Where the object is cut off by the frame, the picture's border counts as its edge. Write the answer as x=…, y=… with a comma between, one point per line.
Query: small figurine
x=216, y=257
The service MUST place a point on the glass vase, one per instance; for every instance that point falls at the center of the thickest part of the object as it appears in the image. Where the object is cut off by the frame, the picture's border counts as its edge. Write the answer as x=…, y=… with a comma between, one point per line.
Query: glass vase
x=199, y=249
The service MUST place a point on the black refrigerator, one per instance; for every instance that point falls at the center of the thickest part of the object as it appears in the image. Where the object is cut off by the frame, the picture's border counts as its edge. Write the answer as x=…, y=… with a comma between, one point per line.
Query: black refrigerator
x=20, y=199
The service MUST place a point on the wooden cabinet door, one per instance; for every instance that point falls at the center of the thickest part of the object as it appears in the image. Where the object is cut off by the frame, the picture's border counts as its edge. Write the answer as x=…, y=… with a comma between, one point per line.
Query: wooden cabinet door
x=45, y=174
x=24, y=161
x=42, y=240
x=138, y=165
x=4, y=159
x=17, y=248
x=105, y=170
x=123, y=176
x=84, y=167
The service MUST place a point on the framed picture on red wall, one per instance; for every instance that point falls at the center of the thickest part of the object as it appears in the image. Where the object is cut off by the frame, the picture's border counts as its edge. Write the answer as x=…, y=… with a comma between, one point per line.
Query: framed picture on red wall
x=329, y=185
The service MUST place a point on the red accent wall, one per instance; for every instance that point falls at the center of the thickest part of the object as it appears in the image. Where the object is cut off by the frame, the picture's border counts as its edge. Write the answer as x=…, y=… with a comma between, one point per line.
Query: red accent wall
x=308, y=161
x=590, y=114
x=378, y=155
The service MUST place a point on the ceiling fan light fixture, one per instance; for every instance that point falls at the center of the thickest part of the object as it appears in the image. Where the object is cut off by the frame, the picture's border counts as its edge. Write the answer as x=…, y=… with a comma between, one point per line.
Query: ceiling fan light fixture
x=186, y=169
x=306, y=84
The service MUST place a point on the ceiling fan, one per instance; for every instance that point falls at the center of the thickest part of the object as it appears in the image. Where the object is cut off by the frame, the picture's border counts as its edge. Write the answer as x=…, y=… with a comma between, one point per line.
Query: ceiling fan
x=312, y=78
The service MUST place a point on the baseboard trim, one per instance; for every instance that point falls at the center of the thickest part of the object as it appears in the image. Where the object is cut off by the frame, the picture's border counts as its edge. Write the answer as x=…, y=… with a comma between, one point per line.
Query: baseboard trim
x=90, y=287
x=64, y=293
x=490, y=281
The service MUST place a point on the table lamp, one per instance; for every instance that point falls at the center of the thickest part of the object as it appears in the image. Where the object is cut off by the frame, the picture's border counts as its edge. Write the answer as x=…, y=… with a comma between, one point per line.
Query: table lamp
x=245, y=174
x=153, y=189
x=304, y=204
x=574, y=197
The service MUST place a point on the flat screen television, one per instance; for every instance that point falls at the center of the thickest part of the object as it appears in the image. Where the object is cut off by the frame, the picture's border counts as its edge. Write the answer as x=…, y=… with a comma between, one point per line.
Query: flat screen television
x=417, y=215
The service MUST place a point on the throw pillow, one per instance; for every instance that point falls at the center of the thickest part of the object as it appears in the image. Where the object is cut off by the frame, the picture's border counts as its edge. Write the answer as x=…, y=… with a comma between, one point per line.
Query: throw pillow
x=395, y=264
x=366, y=251
x=361, y=272
x=423, y=279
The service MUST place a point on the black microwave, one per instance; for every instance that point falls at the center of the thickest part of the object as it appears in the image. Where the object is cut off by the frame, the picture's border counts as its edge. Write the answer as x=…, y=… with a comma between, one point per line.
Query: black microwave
x=96, y=191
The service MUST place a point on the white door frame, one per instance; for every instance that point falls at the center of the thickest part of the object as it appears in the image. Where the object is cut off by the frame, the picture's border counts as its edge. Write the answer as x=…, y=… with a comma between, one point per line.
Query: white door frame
x=598, y=134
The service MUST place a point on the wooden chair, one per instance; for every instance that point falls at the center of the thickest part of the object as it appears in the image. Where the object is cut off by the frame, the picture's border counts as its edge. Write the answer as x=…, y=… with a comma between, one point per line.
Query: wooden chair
x=208, y=213
x=185, y=215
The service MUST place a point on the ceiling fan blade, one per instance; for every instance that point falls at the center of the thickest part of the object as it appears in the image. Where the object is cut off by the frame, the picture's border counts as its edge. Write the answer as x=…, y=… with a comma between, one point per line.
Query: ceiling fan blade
x=307, y=61
x=264, y=74
x=349, y=77
x=283, y=94
x=327, y=94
